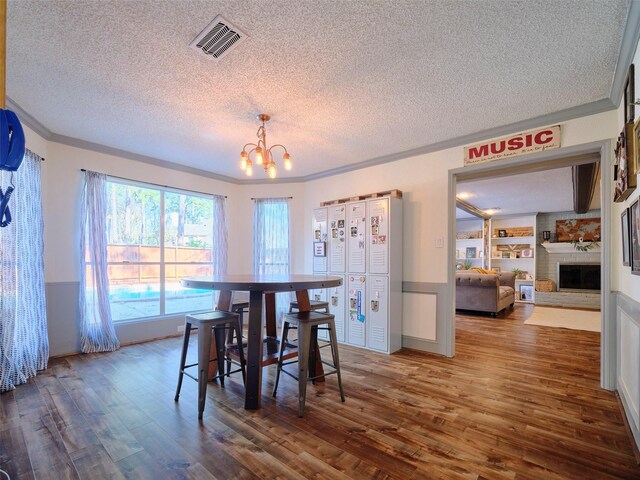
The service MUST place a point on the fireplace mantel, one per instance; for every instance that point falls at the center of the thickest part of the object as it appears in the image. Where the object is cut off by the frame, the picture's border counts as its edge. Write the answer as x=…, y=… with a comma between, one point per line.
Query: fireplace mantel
x=567, y=247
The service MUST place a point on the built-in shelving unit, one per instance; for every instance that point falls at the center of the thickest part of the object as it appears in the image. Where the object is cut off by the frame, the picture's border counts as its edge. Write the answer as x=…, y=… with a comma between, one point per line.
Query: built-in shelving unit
x=470, y=242
x=513, y=247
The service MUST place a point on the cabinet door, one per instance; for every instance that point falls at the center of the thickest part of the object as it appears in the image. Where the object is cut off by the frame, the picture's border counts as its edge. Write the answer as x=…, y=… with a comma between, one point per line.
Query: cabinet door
x=356, y=308
x=356, y=243
x=336, y=296
x=320, y=295
x=378, y=226
x=338, y=238
x=320, y=240
x=378, y=312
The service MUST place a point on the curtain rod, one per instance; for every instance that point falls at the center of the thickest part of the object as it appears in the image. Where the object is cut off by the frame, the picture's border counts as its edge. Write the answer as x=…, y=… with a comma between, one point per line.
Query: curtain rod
x=155, y=184
x=269, y=198
x=41, y=158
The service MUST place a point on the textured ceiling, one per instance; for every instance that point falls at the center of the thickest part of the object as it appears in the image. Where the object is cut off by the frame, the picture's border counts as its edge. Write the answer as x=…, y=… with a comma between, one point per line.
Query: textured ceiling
x=537, y=192
x=345, y=81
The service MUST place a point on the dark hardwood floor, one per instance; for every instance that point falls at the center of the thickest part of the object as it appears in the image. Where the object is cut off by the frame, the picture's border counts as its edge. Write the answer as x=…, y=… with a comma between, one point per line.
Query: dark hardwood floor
x=517, y=402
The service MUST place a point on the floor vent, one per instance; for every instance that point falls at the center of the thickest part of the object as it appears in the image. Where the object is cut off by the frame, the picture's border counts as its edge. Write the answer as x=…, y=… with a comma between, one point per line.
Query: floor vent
x=218, y=39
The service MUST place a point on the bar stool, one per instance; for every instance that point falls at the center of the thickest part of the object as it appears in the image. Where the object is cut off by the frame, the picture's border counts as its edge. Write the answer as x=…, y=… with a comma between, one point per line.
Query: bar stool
x=315, y=306
x=219, y=322
x=239, y=308
x=306, y=322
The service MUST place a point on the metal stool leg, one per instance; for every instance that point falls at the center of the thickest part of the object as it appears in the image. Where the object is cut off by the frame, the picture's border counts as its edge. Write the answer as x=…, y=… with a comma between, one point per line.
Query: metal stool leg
x=204, y=347
x=283, y=342
x=243, y=363
x=219, y=336
x=304, y=344
x=240, y=313
x=183, y=357
x=334, y=353
x=313, y=354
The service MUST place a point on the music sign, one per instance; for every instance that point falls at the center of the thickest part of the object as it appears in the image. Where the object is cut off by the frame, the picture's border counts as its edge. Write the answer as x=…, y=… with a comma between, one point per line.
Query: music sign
x=533, y=141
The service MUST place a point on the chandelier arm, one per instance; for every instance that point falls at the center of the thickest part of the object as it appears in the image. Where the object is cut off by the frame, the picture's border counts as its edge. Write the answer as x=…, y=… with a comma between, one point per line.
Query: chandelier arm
x=278, y=145
x=250, y=145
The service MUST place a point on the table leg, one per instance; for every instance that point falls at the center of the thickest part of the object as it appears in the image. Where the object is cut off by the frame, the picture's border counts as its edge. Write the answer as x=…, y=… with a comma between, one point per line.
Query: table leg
x=304, y=305
x=204, y=347
x=253, y=389
x=270, y=314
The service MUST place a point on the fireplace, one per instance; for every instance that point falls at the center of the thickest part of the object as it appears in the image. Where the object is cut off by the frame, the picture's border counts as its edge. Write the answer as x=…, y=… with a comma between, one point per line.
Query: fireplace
x=574, y=276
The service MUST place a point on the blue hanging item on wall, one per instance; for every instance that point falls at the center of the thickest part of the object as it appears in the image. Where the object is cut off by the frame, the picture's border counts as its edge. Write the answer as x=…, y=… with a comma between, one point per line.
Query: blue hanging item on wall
x=11, y=155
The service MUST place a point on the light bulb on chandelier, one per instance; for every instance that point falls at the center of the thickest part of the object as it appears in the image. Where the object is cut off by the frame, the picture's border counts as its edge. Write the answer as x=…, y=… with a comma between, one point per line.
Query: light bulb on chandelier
x=261, y=154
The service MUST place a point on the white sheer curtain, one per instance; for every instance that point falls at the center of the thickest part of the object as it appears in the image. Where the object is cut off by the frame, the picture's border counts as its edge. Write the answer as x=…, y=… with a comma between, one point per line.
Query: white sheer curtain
x=24, y=344
x=220, y=242
x=271, y=254
x=98, y=334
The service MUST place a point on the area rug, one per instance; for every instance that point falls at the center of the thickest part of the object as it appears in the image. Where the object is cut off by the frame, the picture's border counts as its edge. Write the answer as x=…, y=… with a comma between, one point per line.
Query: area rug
x=565, y=318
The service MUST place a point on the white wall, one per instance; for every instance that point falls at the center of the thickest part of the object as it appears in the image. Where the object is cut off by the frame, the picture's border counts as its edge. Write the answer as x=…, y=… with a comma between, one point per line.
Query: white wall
x=423, y=179
x=63, y=174
x=622, y=280
x=627, y=308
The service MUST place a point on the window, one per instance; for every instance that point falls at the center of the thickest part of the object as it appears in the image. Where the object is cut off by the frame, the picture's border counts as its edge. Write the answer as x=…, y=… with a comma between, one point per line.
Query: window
x=271, y=236
x=271, y=243
x=155, y=236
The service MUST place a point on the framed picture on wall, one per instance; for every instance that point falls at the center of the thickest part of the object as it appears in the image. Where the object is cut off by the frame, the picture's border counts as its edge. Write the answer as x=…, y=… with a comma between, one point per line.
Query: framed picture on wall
x=625, y=183
x=634, y=225
x=626, y=239
x=629, y=96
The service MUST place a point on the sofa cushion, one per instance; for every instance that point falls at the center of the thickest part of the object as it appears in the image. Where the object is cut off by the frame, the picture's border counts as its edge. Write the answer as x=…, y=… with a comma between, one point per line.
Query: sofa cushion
x=474, y=279
x=505, y=292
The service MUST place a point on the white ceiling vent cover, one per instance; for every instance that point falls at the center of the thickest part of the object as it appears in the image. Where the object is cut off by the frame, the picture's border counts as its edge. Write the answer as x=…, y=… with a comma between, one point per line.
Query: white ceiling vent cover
x=218, y=39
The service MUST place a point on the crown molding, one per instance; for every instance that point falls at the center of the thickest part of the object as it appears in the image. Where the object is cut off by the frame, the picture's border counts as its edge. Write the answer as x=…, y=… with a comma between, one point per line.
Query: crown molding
x=96, y=147
x=600, y=106
x=630, y=39
x=28, y=120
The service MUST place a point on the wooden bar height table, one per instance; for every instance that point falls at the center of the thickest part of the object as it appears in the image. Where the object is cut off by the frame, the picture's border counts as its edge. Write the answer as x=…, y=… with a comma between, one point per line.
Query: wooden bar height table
x=259, y=286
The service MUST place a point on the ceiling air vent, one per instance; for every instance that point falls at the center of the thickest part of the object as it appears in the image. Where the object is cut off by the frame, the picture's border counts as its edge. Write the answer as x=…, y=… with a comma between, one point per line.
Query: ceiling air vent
x=218, y=38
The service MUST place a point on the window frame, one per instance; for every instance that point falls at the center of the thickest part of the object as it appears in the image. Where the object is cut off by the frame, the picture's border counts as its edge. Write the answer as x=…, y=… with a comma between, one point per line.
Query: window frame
x=161, y=263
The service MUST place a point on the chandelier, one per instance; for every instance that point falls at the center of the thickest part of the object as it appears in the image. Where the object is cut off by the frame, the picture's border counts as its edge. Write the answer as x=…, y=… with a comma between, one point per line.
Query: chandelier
x=261, y=155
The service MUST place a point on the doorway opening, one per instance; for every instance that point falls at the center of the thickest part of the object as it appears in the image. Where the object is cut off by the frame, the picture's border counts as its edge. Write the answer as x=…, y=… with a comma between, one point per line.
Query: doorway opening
x=511, y=236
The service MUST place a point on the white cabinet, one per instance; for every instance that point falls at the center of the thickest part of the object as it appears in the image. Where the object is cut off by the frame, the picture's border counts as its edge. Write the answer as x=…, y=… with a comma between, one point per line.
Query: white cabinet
x=377, y=312
x=320, y=240
x=337, y=306
x=365, y=244
x=338, y=234
x=335, y=297
x=378, y=224
x=356, y=308
x=356, y=243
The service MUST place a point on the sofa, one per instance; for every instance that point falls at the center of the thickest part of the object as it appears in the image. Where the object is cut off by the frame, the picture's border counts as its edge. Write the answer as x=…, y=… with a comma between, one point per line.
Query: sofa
x=485, y=292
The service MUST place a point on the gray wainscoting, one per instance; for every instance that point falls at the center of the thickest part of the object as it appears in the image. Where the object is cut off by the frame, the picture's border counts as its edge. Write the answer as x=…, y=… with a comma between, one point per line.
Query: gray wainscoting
x=630, y=309
x=64, y=322
x=443, y=304
x=62, y=317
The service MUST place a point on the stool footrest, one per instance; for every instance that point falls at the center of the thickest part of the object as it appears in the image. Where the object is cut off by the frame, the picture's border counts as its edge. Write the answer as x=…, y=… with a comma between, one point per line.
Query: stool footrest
x=292, y=375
